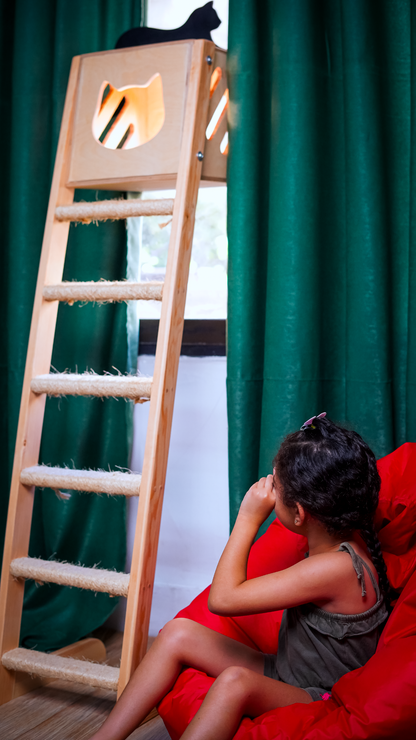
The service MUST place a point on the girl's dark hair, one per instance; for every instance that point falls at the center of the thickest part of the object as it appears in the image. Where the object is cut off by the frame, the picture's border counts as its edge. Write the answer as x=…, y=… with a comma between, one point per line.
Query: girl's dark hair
x=333, y=474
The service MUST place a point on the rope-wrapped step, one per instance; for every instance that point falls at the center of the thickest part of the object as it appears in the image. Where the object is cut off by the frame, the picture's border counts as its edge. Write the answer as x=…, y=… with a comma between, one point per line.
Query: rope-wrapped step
x=114, y=209
x=92, y=481
x=87, y=384
x=66, y=669
x=121, y=290
x=66, y=574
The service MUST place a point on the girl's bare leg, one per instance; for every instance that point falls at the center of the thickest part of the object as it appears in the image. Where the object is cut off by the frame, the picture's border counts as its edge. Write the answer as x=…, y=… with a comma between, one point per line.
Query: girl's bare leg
x=236, y=693
x=182, y=642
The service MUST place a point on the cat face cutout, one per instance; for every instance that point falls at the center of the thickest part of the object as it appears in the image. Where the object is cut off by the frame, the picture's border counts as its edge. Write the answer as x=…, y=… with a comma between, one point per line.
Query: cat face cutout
x=129, y=117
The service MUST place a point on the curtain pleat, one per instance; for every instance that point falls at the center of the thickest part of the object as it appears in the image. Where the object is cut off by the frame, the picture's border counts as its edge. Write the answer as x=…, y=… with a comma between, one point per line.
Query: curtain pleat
x=321, y=225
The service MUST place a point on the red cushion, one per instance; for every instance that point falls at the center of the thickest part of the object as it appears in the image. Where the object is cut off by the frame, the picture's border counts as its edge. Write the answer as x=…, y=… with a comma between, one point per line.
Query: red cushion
x=376, y=701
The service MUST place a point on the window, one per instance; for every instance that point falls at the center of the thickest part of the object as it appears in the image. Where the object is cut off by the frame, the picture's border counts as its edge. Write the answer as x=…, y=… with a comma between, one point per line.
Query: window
x=207, y=286
x=206, y=303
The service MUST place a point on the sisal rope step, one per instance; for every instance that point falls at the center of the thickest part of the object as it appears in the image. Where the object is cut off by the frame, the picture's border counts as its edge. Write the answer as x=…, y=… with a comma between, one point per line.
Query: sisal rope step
x=114, y=209
x=122, y=290
x=88, y=384
x=66, y=574
x=66, y=669
x=93, y=481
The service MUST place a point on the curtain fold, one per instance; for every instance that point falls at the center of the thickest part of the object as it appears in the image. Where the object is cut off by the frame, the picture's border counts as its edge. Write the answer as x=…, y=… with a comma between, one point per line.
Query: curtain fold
x=321, y=225
x=38, y=41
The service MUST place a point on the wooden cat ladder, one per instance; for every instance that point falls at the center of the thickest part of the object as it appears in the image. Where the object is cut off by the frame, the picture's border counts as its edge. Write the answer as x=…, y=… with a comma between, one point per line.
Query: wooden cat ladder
x=134, y=119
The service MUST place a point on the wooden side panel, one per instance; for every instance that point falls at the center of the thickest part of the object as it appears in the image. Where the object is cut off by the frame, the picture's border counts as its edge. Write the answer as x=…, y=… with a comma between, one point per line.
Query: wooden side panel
x=166, y=365
x=90, y=160
x=32, y=407
x=214, y=168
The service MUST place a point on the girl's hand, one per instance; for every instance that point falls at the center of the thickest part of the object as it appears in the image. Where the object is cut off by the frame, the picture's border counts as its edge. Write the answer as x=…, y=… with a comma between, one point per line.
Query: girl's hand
x=259, y=501
x=230, y=578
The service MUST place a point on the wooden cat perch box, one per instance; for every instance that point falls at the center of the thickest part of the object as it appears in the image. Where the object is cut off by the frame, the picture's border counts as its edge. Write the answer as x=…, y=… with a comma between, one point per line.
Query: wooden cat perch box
x=128, y=118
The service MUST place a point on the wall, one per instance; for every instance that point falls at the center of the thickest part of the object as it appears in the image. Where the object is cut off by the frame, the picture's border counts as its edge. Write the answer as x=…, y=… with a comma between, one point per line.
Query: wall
x=195, y=519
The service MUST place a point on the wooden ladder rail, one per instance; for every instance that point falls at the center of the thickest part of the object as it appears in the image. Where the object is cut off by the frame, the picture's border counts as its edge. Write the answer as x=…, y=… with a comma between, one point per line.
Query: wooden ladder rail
x=166, y=365
x=164, y=383
x=32, y=406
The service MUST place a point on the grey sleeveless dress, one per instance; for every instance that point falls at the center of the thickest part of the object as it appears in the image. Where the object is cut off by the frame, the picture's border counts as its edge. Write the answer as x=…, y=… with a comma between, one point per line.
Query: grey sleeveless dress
x=317, y=647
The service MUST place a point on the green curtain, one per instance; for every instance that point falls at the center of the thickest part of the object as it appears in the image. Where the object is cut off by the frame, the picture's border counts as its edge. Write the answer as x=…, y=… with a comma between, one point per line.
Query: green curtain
x=38, y=41
x=321, y=220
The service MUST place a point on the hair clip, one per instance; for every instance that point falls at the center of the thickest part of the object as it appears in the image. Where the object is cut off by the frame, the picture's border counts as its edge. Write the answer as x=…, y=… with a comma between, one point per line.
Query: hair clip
x=309, y=424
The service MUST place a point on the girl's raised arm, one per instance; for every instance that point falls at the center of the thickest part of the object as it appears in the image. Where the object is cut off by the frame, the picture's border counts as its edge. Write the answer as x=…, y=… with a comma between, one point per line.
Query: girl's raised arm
x=317, y=579
x=231, y=570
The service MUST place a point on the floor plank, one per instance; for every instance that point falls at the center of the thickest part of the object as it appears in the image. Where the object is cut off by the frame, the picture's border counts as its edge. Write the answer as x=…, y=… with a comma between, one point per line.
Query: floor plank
x=25, y=716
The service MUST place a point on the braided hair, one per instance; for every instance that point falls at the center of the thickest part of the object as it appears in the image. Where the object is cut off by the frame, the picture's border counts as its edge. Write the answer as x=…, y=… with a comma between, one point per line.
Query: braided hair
x=333, y=474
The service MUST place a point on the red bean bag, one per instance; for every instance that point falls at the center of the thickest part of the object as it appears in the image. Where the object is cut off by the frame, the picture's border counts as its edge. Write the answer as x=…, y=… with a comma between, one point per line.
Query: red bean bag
x=376, y=701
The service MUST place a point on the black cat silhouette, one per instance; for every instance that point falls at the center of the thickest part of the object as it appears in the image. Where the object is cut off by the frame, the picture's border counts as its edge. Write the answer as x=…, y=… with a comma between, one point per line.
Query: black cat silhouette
x=198, y=26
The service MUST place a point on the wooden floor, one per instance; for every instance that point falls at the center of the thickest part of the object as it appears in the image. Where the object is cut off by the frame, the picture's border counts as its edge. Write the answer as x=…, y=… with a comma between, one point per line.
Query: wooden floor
x=65, y=711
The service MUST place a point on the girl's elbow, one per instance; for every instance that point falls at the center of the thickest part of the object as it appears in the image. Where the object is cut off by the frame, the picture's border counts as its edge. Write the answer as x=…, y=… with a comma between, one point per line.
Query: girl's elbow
x=212, y=604
x=216, y=605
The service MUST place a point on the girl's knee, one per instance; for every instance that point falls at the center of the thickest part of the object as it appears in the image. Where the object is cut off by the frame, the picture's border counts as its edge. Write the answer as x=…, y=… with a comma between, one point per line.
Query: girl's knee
x=176, y=631
x=235, y=680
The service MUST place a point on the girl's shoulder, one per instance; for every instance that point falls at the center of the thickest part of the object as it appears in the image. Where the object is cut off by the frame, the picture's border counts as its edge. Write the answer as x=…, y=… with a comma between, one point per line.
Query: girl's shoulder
x=342, y=571
x=345, y=555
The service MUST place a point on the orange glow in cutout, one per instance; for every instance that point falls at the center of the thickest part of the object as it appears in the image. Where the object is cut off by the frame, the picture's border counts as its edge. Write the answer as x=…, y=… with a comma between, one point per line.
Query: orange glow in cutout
x=129, y=117
x=215, y=80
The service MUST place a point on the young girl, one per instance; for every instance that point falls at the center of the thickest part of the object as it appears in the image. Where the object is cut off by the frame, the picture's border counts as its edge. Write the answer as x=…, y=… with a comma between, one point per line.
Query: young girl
x=325, y=486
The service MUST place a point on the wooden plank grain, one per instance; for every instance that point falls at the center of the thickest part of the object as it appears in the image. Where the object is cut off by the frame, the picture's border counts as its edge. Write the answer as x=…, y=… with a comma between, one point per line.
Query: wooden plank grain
x=23, y=716
x=74, y=720
x=166, y=364
x=63, y=712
